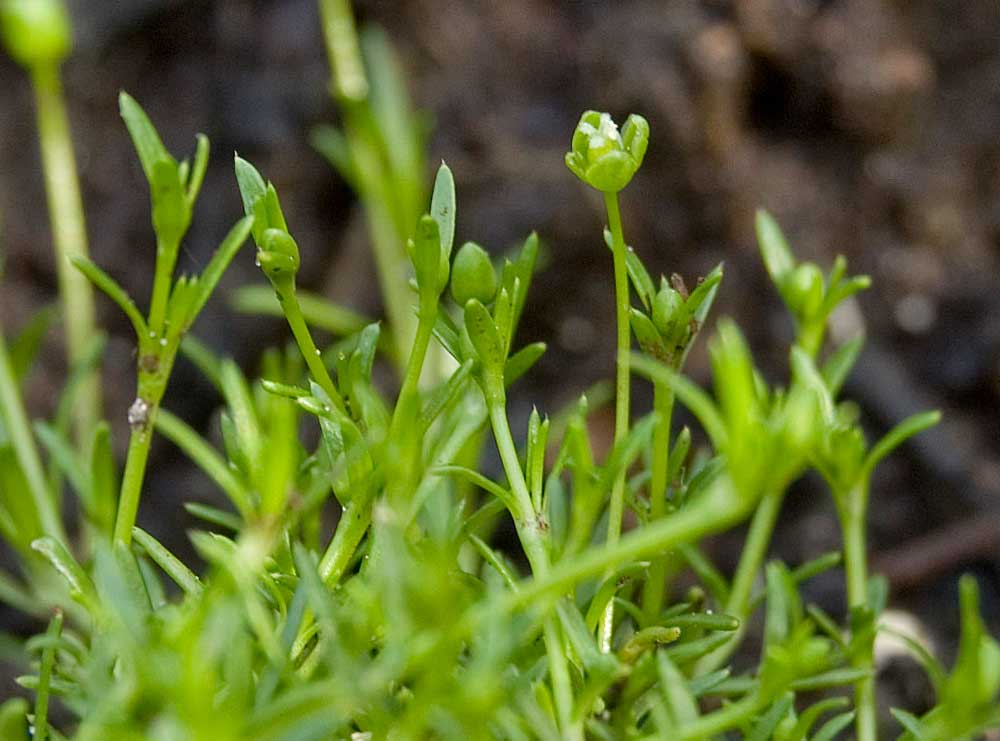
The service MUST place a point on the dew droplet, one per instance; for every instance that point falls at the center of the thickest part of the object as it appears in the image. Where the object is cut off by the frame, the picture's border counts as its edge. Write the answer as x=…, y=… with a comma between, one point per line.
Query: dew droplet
x=163, y=342
x=318, y=352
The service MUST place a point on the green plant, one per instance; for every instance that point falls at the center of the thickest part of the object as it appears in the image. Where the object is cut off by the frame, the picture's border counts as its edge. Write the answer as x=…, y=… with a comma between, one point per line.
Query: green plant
x=406, y=621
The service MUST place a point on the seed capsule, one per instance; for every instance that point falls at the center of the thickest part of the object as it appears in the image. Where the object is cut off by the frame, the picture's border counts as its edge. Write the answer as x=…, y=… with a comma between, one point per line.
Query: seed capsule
x=472, y=275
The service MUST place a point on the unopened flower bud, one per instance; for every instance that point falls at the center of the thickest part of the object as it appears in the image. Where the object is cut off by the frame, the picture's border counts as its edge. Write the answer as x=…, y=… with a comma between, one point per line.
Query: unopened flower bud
x=35, y=32
x=603, y=157
x=473, y=276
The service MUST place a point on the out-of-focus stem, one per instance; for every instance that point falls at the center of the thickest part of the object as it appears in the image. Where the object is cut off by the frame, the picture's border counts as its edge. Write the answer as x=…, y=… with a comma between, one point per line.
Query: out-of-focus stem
x=69, y=236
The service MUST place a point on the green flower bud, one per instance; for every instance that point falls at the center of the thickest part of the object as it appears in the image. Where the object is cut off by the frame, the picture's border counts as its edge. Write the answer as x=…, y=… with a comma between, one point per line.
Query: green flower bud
x=35, y=32
x=473, y=276
x=278, y=255
x=803, y=290
x=666, y=305
x=604, y=158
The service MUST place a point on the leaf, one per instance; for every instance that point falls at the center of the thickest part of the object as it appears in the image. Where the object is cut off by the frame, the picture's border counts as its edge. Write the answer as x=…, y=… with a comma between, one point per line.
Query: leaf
x=495, y=560
x=64, y=456
x=197, y=177
x=212, y=273
x=319, y=312
x=41, y=719
x=476, y=478
x=147, y=141
x=899, y=434
x=522, y=361
x=700, y=403
x=910, y=723
x=214, y=515
x=80, y=586
x=425, y=253
x=766, y=724
x=114, y=291
x=829, y=730
x=446, y=394
x=103, y=478
x=830, y=679
x=330, y=142
x=645, y=332
x=485, y=337
x=699, y=303
x=838, y=366
x=710, y=577
x=443, y=207
x=250, y=183
x=171, y=565
x=774, y=248
x=24, y=348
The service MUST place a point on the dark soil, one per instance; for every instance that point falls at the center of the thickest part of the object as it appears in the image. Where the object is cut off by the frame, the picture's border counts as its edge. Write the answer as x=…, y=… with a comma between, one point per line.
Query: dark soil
x=868, y=127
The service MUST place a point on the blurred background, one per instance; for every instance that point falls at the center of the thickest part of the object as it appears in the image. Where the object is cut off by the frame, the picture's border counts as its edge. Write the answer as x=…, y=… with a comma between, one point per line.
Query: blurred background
x=867, y=127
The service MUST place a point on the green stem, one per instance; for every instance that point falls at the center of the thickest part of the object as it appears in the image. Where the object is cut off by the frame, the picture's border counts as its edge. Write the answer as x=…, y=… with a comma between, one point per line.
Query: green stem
x=15, y=420
x=415, y=363
x=663, y=405
x=341, y=38
x=350, y=86
x=135, y=471
x=751, y=560
x=166, y=260
x=314, y=361
x=155, y=364
x=530, y=532
x=69, y=236
x=525, y=518
x=616, y=506
x=853, y=513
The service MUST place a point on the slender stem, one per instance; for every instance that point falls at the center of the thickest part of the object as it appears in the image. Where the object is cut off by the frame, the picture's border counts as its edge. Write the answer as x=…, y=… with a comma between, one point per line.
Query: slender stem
x=530, y=532
x=155, y=364
x=341, y=38
x=528, y=527
x=415, y=363
x=314, y=361
x=69, y=236
x=18, y=429
x=166, y=260
x=350, y=86
x=853, y=514
x=663, y=404
x=751, y=560
x=135, y=472
x=616, y=506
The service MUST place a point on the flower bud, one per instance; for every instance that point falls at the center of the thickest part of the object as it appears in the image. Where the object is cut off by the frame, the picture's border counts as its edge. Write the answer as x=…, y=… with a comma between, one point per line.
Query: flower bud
x=35, y=32
x=803, y=290
x=278, y=255
x=604, y=158
x=472, y=275
x=666, y=305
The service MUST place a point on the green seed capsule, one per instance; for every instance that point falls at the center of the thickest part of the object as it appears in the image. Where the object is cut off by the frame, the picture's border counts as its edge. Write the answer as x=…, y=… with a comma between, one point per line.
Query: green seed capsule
x=666, y=306
x=473, y=276
x=35, y=32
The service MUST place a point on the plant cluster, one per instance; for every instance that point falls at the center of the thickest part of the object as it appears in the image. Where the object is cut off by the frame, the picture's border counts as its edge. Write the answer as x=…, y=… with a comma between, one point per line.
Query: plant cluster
x=407, y=621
